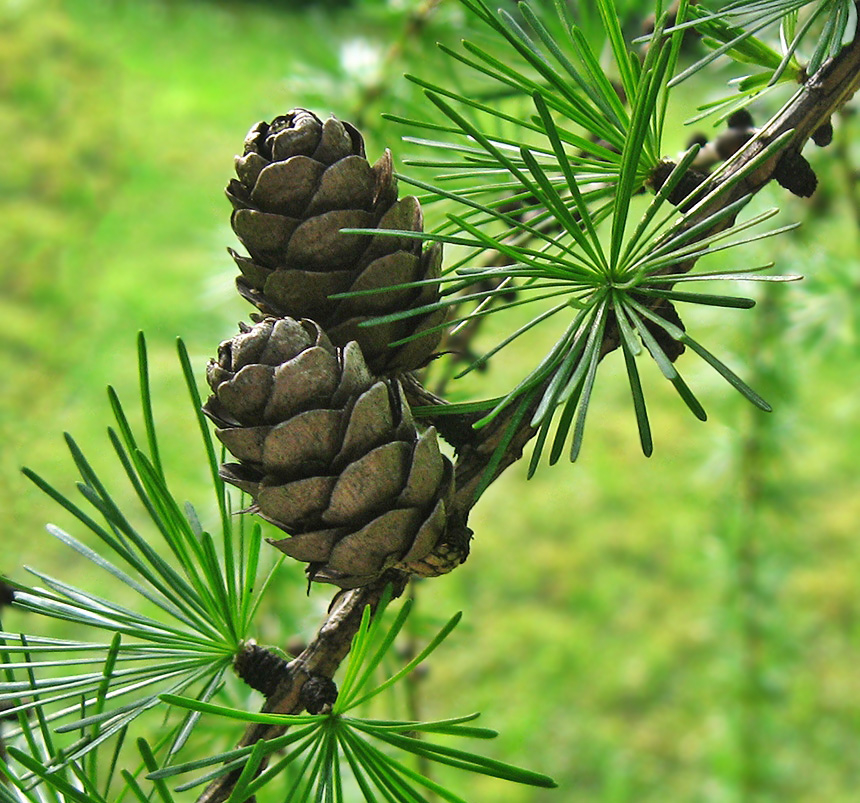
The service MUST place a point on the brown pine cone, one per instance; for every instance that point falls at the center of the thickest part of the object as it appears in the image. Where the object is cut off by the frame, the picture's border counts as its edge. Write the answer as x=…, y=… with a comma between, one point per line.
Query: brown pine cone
x=302, y=180
x=330, y=454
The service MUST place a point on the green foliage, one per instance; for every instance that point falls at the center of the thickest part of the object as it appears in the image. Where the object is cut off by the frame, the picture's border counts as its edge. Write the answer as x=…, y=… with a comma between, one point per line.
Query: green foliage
x=616, y=600
x=202, y=603
x=203, y=612
x=595, y=264
x=731, y=31
x=312, y=751
x=321, y=744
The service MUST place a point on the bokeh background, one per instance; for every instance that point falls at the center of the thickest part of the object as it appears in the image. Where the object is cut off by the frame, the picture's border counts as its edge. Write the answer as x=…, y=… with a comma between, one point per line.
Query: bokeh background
x=684, y=628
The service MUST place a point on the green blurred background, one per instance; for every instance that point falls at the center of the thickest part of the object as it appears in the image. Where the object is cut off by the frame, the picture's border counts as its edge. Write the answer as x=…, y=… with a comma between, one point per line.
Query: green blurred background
x=683, y=628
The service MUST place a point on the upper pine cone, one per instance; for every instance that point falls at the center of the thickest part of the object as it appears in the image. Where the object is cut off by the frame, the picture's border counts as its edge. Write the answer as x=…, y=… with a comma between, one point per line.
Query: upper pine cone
x=330, y=454
x=301, y=180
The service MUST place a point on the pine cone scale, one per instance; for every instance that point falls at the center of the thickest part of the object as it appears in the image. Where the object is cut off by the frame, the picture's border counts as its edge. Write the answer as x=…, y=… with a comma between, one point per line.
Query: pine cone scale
x=319, y=242
x=367, y=484
x=397, y=268
x=427, y=472
x=405, y=215
x=356, y=377
x=304, y=292
x=358, y=555
x=245, y=443
x=427, y=536
x=291, y=395
x=370, y=424
x=347, y=184
x=265, y=235
x=338, y=140
x=307, y=439
x=247, y=393
x=313, y=547
x=287, y=187
x=295, y=502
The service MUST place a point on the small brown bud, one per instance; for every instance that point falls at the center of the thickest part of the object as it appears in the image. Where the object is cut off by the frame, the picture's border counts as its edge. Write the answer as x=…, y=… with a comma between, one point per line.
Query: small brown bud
x=823, y=135
x=318, y=693
x=740, y=119
x=795, y=174
x=7, y=594
x=671, y=347
x=732, y=140
x=689, y=182
x=260, y=668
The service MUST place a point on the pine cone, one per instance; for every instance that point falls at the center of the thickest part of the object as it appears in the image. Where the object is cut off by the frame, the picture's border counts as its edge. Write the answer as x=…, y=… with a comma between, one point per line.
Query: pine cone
x=330, y=454
x=300, y=181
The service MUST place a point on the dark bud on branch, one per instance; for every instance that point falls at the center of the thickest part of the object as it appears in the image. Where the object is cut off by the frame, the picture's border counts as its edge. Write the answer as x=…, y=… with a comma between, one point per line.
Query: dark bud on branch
x=7, y=594
x=5, y=706
x=318, y=693
x=740, y=129
x=732, y=140
x=456, y=429
x=795, y=174
x=671, y=347
x=689, y=183
x=260, y=668
x=740, y=119
x=823, y=135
